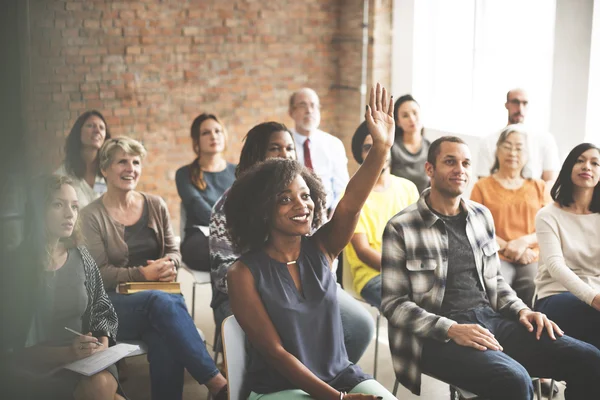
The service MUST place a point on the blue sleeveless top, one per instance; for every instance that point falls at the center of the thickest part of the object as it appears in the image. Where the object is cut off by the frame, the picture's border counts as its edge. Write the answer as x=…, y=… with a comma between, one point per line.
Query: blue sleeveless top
x=310, y=326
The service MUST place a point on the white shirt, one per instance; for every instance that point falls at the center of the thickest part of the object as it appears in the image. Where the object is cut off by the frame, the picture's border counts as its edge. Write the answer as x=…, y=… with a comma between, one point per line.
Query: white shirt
x=329, y=161
x=541, y=147
x=85, y=193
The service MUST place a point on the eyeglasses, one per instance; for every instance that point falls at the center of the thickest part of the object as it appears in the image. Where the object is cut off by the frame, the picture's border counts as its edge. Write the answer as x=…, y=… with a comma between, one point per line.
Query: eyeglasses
x=306, y=106
x=366, y=147
x=510, y=149
x=517, y=102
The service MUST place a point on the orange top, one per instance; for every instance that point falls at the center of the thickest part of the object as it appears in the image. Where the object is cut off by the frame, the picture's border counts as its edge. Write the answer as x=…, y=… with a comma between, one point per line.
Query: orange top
x=514, y=210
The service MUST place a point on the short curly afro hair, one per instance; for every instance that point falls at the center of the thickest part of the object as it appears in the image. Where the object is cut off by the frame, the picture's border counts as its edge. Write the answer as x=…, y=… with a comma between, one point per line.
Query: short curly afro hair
x=253, y=197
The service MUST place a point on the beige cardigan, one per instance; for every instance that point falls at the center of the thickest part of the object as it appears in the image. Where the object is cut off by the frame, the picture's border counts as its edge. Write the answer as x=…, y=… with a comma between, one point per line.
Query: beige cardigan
x=105, y=239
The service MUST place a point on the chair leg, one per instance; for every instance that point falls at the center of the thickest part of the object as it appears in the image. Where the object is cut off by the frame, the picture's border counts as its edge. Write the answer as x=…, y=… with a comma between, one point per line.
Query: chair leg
x=376, y=344
x=551, y=395
x=395, y=388
x=217, y=348
x=538, y=388
x=194, y=301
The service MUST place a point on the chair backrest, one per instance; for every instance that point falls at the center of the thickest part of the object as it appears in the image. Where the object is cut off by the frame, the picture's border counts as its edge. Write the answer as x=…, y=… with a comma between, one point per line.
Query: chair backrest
x=234, y=348
x=347, y=277
x=182, y=219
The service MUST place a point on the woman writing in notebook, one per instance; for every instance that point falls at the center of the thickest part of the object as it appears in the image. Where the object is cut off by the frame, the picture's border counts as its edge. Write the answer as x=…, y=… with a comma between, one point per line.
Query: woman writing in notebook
x=129, y=235
x=70, y=295
x=281, y=289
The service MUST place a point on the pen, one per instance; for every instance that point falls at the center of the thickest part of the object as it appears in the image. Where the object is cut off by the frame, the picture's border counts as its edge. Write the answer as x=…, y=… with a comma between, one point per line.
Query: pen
x=97, y=343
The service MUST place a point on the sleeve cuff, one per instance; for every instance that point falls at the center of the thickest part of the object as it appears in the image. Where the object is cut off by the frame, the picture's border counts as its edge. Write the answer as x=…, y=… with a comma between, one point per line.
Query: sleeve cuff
x=441, y=328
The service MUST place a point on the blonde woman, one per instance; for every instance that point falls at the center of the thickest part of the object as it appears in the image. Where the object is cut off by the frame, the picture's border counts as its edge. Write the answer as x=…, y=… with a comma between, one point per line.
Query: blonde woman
x=130, y=237
x=200, y=184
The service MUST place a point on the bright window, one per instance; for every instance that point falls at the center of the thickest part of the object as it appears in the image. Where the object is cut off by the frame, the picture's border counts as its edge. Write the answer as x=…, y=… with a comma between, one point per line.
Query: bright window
x=469, y=53
x=593, y=105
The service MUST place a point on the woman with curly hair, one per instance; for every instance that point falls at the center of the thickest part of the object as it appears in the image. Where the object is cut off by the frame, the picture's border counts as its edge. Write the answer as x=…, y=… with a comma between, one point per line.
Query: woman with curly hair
x=69, y=294
x=87, y=136
x=200, y=184
x=264, y=141
x=281, y=289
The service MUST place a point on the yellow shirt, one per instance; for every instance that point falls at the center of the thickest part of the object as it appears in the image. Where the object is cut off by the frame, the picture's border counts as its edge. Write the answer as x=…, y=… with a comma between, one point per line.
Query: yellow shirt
x=379, y=208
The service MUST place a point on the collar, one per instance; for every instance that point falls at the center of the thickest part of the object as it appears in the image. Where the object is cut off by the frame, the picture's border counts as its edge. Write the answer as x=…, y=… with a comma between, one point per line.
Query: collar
x=428, y=216
x=300, y=139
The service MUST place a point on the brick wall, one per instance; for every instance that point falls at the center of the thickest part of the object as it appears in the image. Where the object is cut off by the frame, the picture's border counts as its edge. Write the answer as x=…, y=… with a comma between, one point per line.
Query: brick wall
x=150, y=67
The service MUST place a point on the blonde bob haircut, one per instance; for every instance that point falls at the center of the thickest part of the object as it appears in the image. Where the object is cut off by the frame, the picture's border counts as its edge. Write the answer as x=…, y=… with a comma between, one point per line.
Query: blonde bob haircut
x=110, y=147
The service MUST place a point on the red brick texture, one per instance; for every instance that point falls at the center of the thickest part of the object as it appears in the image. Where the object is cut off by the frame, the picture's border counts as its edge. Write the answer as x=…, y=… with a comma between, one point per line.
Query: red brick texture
x=151, y=66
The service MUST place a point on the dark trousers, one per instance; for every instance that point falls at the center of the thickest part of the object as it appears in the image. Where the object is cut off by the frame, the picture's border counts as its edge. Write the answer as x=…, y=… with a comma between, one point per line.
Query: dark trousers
x=575, y=317
x=194, y=250
x=507, y=374
x=162, y=321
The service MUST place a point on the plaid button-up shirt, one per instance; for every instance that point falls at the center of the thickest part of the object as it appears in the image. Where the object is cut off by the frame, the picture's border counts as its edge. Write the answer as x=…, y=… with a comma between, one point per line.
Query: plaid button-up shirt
x=414, y=271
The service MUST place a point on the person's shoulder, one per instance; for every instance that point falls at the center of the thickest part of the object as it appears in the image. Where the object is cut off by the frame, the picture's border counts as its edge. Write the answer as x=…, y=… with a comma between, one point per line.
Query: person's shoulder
x=183, y=172
x=402, y=183
x=328, y=136
x=154, y=200
x=231, y=167
x=93, y=208
x=478, y=209
x=409, y=216
x=484, y=182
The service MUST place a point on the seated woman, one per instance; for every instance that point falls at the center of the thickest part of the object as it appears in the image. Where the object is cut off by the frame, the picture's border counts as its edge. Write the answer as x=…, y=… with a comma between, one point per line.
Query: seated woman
x=200, y=184
x=69, y=294
x=410, y=149
x=390, y=195
x=129, y=235
x=282, y=290
x=514, y=201
x=264, y=141
x=568, y=279
x=81, y=156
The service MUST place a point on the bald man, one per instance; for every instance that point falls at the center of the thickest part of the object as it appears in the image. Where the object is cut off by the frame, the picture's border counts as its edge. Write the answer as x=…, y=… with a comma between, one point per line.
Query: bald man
x=323, y=153
x=544, y=162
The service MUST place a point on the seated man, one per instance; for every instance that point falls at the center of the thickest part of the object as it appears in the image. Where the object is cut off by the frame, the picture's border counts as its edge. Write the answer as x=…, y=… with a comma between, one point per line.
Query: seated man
x=451, y=314
x=389, y=196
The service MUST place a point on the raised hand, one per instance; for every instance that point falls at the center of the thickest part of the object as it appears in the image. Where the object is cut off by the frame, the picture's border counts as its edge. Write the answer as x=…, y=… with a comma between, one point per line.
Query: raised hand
x=380, y=117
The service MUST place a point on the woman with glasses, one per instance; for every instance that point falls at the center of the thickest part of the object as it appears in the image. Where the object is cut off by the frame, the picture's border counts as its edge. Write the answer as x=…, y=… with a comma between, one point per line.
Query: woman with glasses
x=514, y=201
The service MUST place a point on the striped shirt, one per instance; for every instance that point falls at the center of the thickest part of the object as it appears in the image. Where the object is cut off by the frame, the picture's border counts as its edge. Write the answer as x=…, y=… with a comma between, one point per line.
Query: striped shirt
x=414, y=270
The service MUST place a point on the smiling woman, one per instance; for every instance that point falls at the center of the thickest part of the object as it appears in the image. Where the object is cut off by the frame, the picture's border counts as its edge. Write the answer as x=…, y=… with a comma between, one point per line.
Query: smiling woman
x=130, y=237
x=81, y=156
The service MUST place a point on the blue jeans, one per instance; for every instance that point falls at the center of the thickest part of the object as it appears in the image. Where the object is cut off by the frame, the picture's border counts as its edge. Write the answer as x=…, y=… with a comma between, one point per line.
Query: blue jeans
x=575, y=317
x=357, y=323
x=507, y=374
x=162, y=321
x=371, y=292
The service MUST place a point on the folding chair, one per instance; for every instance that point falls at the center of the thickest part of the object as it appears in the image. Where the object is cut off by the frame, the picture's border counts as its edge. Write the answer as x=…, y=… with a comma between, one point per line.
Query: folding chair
x=348, y=285
x=234, y=346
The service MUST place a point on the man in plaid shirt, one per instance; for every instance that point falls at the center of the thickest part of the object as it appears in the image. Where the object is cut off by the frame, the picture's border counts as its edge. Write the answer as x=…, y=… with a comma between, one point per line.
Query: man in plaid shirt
x=451, y=314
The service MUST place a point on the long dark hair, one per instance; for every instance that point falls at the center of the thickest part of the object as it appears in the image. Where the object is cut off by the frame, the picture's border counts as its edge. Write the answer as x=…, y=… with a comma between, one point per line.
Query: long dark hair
x=401, y=100
x=256, y=142
x=196, y=174
x=562, y=191
x=74, y=164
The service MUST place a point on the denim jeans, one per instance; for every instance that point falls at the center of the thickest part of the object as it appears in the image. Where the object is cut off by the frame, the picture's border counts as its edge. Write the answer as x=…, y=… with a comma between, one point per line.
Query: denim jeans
x=162, y=321
x=507, y=374
x=357, y=323
x=371, y=292
x=575, y=317
x=520, y=277
x=370, y=386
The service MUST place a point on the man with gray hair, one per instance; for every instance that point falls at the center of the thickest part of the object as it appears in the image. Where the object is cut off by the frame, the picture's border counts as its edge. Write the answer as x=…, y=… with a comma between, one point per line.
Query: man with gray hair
x=543, y=159
x=317, y=150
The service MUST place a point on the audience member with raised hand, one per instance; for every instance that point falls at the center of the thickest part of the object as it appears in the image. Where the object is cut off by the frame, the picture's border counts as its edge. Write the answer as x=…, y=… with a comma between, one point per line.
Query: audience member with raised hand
x=390, y=195
x=281, y=289
x=514, y=201
x=409, y=152
x=200, y=184
x=81, y=156
x=568, y=280
x=265, y=141
x=450, y=312
x=129, y=235
x=68, y=293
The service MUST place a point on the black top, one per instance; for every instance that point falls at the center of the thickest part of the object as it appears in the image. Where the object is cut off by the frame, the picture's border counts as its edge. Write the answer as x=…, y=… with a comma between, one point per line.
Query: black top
x=463, y=288
x=198, y=203
x=309, y=325
x=141, y=241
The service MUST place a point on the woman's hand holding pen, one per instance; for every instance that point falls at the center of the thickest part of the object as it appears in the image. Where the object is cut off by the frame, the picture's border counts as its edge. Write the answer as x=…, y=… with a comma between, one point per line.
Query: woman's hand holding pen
x=84, y=346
